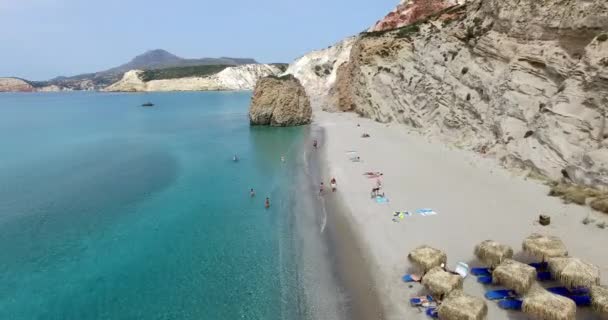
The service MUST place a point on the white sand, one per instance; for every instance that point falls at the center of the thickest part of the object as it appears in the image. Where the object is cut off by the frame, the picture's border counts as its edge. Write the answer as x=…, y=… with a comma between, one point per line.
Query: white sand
x=474, y=197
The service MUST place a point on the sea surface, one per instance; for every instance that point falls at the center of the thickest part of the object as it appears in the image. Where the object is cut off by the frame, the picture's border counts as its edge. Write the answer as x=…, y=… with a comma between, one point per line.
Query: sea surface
x=110, y=210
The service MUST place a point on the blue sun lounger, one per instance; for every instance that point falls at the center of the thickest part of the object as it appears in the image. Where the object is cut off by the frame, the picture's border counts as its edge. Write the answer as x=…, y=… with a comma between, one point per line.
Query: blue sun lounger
x=481, y=272
x=510, y=304
x=540, y=276
x=539, y=265
x=581, y=301
x=499, y=294
x=432, y=312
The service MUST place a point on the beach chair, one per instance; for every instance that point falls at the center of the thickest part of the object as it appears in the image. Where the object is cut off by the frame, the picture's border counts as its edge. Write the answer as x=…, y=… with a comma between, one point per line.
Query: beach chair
x=562, y=291
x=581, y=301
x=544, y=276
x=539, y=265
x=499, y=294
x=432, y=312
x=485, y=280
x=510, y=304
x=480, y=272
x=410, y=278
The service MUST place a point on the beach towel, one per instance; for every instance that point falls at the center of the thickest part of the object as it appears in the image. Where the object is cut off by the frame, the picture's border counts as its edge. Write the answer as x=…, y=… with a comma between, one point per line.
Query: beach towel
x=380, y=199
x=410, y=278
x=426, y=212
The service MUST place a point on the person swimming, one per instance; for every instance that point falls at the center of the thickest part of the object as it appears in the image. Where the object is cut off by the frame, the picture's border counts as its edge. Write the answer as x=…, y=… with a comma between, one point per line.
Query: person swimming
x=267, y=203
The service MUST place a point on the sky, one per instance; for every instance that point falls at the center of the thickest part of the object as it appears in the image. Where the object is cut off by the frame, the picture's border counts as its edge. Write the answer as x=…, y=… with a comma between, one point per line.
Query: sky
x=42, y=39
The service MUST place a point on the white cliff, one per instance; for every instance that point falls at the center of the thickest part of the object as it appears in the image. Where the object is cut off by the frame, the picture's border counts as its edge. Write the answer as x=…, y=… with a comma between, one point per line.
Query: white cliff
x=242, y=77
x=523, y=82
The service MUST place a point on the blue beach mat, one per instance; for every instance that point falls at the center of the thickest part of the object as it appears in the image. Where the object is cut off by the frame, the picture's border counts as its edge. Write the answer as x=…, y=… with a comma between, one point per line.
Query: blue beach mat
x=426, y=212
x=380, y=199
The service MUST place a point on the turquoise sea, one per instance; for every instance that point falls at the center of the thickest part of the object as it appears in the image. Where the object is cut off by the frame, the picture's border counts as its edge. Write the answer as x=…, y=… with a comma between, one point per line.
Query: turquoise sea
x=109, y=210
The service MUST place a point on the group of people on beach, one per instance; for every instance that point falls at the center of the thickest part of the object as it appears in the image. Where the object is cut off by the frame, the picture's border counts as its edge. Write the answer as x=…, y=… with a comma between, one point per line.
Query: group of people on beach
x=333, y=183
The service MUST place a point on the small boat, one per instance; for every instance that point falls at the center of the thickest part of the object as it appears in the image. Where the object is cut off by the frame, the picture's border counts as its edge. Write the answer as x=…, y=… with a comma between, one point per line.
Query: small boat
x=148, y=104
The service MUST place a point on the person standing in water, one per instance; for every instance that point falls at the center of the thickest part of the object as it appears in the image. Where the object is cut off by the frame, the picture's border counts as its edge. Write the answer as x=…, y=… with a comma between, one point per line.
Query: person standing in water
x=267, y=203
x=252, y=193
x=282, y=158
x=334, y=184
x=235, y=158
x=321, y=188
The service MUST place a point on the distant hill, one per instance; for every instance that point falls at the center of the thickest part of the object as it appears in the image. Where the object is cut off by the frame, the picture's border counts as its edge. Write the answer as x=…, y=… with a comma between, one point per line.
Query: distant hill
x=150, y=60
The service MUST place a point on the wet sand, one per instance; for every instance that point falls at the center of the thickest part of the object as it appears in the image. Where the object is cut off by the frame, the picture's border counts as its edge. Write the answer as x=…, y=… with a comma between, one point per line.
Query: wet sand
x=349, y=262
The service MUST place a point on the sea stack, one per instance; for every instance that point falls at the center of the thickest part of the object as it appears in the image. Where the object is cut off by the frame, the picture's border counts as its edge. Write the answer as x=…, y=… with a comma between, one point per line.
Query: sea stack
x=280, y=102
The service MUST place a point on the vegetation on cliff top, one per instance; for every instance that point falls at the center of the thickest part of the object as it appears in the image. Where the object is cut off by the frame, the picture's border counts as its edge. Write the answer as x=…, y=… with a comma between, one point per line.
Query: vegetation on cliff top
x=182, y=72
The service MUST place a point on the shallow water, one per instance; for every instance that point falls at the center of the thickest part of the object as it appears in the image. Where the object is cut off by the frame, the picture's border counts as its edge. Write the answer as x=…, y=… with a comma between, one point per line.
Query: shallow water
x=113, y=211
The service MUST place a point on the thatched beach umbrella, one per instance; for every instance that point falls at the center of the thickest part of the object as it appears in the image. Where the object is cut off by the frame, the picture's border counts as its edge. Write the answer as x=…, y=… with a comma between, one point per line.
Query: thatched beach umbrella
x=599, y=299
x=574, y=272
x=461, y=306
x=542, y=304
x=493, y=253
x=514, y=275
x=440, y=282
x=427, y=257
x=544, y=246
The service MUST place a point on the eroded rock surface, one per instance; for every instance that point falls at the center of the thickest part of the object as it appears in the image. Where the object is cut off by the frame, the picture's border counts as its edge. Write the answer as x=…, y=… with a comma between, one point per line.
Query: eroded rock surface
x=280, y=101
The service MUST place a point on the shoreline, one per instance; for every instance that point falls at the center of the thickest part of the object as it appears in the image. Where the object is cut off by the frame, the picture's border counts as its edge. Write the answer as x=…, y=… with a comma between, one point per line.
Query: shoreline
x=349, y=260
x=476, y=199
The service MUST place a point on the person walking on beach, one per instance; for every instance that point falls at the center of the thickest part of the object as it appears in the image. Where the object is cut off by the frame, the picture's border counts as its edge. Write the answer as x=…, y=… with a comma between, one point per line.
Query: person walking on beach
x=334, y=184
x=321, y=188
x=267, y=203
x=314, y=143
x=252, y=193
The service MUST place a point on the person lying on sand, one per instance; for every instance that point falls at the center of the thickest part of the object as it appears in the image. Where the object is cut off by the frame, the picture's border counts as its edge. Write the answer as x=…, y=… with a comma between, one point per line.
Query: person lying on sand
x=373, y=174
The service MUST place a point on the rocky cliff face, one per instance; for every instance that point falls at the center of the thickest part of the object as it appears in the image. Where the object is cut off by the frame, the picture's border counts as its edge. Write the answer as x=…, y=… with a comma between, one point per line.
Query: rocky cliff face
x=241, y=77
x=14, y=85
x=280, y=101
x=524, y=81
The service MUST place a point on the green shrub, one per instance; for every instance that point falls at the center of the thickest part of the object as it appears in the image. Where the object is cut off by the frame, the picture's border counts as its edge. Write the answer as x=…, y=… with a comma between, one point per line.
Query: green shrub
x=182, y=72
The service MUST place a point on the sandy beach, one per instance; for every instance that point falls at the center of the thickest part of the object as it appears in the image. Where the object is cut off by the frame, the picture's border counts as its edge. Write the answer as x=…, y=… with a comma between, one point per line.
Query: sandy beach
x=475, y=200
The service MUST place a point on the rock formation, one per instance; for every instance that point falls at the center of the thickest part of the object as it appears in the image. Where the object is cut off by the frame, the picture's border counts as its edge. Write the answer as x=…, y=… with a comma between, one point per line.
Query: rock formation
x=14, y=85
x=280, y=101
x=241, y=77
x=522, y=81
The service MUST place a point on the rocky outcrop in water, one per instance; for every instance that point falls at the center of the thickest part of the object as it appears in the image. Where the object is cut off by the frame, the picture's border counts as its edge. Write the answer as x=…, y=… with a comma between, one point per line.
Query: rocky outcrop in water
x=280, y=101
x=14, y=85
x=241, y=77
x=524, y=82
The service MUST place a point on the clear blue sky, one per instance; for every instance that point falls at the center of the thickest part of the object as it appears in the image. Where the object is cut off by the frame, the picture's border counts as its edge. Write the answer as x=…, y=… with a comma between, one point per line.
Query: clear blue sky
x=41, y=39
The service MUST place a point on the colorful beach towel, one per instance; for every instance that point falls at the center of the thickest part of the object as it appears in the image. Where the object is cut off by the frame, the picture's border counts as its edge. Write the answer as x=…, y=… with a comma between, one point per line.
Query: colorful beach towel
x=380, y=199
x=426, y=212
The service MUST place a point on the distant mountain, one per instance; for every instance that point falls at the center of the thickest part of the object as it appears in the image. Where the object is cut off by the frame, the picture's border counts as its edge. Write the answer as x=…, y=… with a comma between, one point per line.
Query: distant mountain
x=150, y=60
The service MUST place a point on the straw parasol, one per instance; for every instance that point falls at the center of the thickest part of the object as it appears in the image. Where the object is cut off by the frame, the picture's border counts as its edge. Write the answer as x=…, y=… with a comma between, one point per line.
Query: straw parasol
x=574, y=272
x=493, y=253
x=461, y=306
x=427, y=257
x=544, y=246
x=514, y=275
x=542, y=304
x=440, y=282
x=599, y=299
